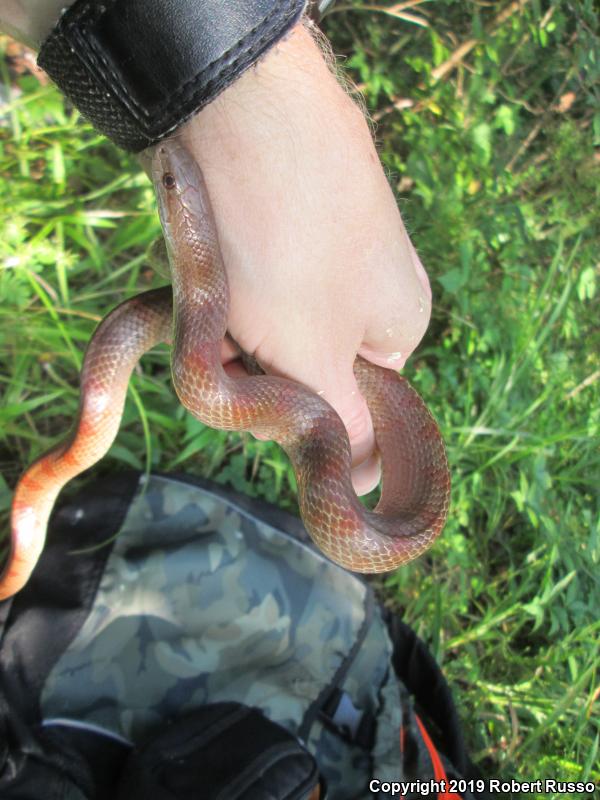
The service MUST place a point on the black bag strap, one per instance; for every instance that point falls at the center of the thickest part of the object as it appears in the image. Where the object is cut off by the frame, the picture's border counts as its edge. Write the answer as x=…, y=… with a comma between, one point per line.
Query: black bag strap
x=223, y=751
x=422, y=676
x=420, y=673
x=61, y=586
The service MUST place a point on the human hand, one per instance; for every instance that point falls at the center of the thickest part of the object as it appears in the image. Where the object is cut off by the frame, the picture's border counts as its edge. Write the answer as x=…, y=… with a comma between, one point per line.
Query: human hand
x=319, y=263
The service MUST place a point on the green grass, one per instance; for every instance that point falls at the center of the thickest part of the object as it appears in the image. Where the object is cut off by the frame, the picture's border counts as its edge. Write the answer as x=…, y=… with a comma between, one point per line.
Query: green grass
x=497, y=170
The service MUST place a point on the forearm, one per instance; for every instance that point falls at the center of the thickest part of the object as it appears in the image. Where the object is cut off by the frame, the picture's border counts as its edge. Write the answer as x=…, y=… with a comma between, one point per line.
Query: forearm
x=30, y=21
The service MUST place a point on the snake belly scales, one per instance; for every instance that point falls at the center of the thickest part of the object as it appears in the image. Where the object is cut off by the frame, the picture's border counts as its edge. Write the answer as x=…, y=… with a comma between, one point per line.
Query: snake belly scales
x=192, y=314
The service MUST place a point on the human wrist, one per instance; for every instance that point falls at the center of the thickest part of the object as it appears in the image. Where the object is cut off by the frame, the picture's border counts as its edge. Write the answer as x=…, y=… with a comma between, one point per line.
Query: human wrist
x=288, y=109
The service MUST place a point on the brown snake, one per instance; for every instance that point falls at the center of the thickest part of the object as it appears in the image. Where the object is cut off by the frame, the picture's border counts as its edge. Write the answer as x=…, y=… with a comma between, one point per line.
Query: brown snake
x=416, y=484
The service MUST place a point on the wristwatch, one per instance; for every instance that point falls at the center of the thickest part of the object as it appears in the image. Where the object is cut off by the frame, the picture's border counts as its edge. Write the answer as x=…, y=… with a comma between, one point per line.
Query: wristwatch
x=138, y=68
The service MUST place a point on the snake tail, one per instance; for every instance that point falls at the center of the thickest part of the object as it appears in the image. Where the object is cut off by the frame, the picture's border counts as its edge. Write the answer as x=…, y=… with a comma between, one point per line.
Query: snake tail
x=117, y=345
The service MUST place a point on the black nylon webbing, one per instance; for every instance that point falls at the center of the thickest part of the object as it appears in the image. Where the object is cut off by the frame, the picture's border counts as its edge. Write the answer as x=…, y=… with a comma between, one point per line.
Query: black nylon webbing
x=138, y=68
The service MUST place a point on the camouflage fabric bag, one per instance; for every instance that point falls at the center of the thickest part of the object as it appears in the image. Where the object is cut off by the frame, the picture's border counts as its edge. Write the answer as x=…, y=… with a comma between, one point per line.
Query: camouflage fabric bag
x=158, y=598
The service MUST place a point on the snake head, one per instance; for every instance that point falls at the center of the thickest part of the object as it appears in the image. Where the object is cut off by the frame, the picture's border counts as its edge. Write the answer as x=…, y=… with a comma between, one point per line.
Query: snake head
x=178, y=180
x=180, y=191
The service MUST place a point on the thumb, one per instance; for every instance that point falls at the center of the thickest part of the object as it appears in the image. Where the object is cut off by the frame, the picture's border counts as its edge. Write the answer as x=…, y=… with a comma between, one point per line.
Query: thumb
x=341, y=391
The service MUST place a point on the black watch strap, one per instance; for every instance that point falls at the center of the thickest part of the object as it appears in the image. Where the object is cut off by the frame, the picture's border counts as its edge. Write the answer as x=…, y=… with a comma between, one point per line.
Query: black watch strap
x=138, y=68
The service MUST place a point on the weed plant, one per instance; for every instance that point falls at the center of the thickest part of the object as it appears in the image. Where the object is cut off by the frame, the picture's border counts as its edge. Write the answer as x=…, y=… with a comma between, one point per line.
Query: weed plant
x=487, y=118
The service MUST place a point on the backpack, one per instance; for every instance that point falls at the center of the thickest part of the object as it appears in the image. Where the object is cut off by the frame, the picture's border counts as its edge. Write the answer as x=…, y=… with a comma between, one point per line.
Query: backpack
x=180, y=640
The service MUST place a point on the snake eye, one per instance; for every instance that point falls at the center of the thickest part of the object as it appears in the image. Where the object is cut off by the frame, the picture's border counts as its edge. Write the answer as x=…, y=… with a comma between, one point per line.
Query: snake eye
x=168, y=181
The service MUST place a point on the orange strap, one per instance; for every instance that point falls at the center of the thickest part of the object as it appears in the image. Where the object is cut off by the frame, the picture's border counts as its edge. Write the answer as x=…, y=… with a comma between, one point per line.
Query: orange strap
x=439, y=773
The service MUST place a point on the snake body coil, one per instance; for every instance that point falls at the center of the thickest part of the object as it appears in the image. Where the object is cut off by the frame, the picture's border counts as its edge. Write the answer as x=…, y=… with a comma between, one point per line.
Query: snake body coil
x=416, y=485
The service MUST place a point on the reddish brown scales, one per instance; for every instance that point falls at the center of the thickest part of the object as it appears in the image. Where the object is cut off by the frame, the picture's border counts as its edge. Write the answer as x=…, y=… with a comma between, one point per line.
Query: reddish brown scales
x=416, y=482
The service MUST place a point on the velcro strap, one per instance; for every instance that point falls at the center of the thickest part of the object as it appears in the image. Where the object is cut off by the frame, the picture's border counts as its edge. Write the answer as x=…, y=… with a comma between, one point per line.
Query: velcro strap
x=351, y=723
x=138, y=68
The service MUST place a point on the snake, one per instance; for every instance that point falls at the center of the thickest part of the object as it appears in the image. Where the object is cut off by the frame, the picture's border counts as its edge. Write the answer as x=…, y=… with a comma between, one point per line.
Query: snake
x=192, y=315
